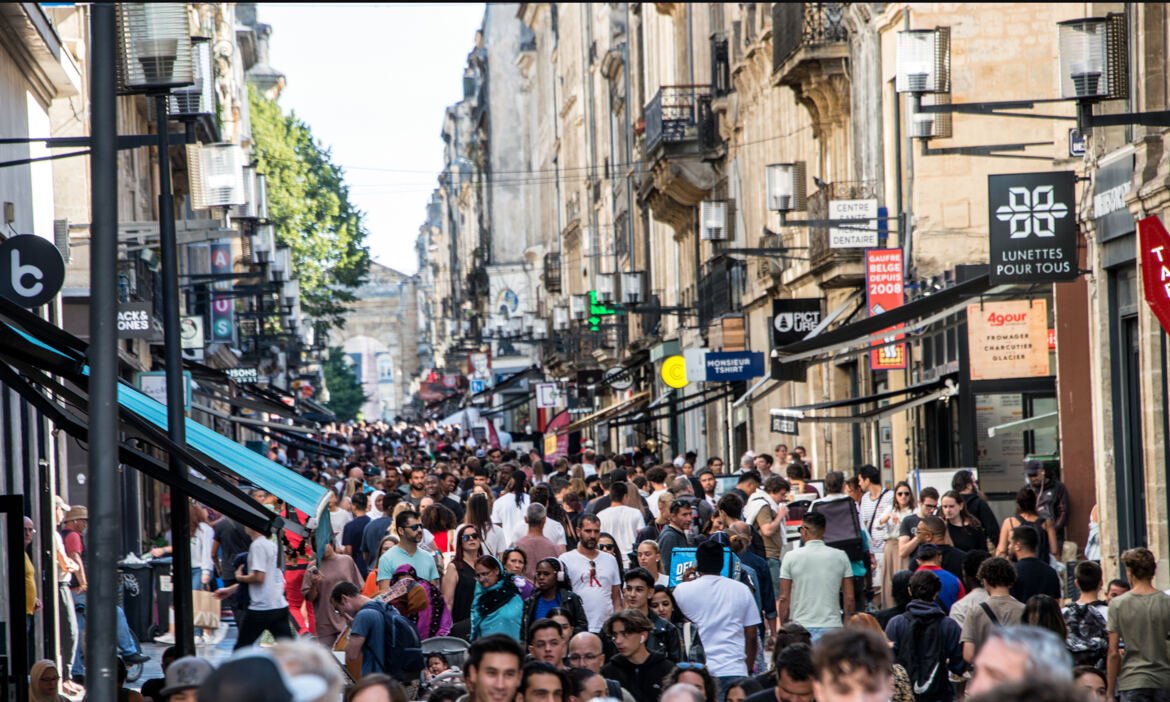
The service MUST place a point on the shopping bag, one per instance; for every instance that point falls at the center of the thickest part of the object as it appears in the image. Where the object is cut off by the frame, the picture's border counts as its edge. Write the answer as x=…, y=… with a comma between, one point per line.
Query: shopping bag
x=206, y=609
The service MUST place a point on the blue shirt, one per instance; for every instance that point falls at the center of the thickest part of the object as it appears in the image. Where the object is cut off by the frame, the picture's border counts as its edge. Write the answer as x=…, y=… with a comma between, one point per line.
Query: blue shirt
x=543, y=606
x=370, y=624
x=423, y=562
x=952, y=588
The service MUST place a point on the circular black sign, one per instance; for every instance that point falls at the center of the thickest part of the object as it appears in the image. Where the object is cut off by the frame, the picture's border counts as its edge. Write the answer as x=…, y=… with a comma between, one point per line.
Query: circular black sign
x=31, y=270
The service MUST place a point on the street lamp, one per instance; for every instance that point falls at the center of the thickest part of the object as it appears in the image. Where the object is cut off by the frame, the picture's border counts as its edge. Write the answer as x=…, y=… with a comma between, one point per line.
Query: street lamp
x=155, y=44
x=578, y=307
x=786, y=190
x=633, y=287
x=561, y=318
x=917, y=61
x=713, y=224
x=1083, y=59
x=604, y=286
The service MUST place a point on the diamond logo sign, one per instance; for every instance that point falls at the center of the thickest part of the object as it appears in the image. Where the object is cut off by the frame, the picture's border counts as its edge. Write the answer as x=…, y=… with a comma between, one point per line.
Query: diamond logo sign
x=1032, y=227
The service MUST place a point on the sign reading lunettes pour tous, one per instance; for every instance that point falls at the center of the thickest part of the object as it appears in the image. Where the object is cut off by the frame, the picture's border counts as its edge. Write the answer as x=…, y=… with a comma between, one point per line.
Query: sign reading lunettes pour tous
x=31, y=270
x=1032, y=224
x=1154, y=243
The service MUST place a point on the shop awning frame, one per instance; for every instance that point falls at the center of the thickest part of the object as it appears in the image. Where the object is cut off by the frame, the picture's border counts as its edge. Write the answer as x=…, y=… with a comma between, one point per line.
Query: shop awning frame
x=601, y=414
x=708, y=395
x=504, y=384
x=1040, y=421
x=949, y=389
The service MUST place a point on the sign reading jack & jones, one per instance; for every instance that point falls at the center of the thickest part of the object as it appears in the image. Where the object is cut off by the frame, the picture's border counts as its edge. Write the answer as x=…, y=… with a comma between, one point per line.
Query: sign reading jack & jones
x=1032, y=224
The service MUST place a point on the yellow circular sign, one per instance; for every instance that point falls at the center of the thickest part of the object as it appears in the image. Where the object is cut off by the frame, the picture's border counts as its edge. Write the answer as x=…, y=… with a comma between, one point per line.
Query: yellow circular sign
x=674, y=371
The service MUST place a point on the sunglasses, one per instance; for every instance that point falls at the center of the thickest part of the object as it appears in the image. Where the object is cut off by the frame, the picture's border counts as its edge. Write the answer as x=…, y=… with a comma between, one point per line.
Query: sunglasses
x=902, y=494
x=607, y=547
x=470, y=537
x=414, y=527
x=691, y=666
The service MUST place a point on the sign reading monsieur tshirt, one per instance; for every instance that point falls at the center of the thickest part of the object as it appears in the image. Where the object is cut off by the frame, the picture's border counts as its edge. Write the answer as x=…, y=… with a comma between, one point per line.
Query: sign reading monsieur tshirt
x=730, y=366
x=1033, y=227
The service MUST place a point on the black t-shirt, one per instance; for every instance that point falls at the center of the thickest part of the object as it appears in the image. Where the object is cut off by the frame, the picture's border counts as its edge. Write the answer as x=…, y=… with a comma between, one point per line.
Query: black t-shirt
x=967, y=538
x=351, y=535
x=232, y=540
x=454, y=505
x=1035, y=577
x=909, y=526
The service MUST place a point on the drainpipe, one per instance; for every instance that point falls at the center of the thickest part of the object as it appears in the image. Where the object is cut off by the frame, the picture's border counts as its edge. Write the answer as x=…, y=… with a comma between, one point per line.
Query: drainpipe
x=907, y=219
x=591, y=160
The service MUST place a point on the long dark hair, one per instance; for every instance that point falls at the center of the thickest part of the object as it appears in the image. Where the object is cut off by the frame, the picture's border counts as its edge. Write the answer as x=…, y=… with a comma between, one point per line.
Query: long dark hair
x=459, y=557
x=965, y=517
x=516, y=486
x=478, y=514
x=913, y=502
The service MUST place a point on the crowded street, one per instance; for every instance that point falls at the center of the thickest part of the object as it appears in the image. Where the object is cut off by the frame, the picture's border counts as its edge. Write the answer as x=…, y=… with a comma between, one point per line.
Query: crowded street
x=558, y=352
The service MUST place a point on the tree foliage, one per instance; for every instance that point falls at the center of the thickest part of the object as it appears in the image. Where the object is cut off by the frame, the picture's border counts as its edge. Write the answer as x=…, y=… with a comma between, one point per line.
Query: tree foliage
x=309, y=206
x=346, y=395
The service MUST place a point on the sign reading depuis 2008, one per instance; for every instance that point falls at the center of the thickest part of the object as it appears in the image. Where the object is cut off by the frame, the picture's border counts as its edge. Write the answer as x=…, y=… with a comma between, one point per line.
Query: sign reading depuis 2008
x=1032, y=227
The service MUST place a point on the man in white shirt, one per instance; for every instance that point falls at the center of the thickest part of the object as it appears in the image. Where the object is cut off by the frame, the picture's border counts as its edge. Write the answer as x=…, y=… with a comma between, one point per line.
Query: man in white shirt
x=589, y=463
x=656, y=476
x=593, y=575
x=725, y=613
x=268, y=609
x=620, y=521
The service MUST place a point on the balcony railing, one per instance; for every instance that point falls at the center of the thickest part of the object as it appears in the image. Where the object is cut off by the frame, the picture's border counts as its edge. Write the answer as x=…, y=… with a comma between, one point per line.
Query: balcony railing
x=552, y=272
x=819, y=251
x=797, y=24
x=720, y=289
x=679, y=113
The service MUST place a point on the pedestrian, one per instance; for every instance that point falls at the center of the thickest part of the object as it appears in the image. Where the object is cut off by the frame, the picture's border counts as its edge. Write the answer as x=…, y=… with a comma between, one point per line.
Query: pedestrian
x=926, y=642
x=66, y=611
x=1018, y=653
x=497, y=607
x=675, y=533
x=1088, y=634
x=999, y=609
x=1027, y=516
x=552, y=592
x=932, y=531
x=650, y=559
x=724, y=612
x=1033, y=576
x=593, y=574
x=534, y=544
x=493, y=539
x=1141, y=618
x=965, y=531
x=267, y=606
x=951, y=588
x=888, y=527
x=1052, y=504
x=45, y=683
x=458, y=583
x=976, y=593
x=793, y=674
x=229, y=540
x=620, y=520
x=183, y=678
x=965, y=484
x=376, y=687
x=317, y=587
x=908, y=540
x=547, y=642
x=407, y=552
x=636, y=668
x=853, y=665
x=663, y=636
x=492, y=670
x=814, y=580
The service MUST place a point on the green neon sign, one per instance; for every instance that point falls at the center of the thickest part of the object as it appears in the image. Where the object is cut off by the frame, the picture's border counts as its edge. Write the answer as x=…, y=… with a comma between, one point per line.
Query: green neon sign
x=597, y=310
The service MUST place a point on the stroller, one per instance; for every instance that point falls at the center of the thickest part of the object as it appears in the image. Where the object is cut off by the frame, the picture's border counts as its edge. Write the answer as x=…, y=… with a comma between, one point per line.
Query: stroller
x=454, y=652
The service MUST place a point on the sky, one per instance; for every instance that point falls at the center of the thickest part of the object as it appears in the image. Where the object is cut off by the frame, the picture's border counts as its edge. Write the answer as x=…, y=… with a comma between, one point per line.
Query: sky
x=372, y=81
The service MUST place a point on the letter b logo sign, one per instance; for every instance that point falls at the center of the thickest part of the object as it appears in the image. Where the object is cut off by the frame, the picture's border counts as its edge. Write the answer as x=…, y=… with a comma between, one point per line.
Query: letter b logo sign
x=31, y=270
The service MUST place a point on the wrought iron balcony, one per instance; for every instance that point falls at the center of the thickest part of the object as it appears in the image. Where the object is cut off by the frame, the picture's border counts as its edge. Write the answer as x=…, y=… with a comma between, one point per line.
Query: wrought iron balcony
x=679, y=113
x=797, y=25
x=720, y=289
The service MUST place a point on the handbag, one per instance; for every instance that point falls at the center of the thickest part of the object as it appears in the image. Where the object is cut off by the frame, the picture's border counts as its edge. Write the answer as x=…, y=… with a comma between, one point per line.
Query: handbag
x=206, y=609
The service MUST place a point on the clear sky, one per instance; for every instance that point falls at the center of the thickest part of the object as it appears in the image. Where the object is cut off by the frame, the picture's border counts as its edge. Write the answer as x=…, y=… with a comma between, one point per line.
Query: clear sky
x=372, y=81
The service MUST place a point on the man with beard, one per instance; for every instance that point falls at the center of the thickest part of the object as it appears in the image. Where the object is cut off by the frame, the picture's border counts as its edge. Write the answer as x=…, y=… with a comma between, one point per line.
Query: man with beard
x=636, y=668
x=593, y=575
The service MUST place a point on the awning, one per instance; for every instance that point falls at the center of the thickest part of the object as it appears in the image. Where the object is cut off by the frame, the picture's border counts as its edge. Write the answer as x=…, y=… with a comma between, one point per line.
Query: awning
x=510, y=381
x=706, y=397
x=30, y=344
x=1040, y=421
x=915, y=315
x=317, y=412
x=601, y=414
x=947, y=390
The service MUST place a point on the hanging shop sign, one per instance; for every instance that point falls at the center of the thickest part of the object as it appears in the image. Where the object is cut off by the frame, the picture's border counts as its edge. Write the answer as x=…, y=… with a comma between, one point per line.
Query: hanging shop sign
x=1008, y=339
x=31, y=270
x=1155, y=250
x=785, y=425
x=731, y=366
x=191, y=332
x=864, y=234
x=243, y=374
x=1111, y=185
x=793, y=319
x=674, y=371
x=134, y=321
x=1032, y=225
x=223, y=317
x=884, y=292
x=547, y=395
x=153, y=384
x=619, y=378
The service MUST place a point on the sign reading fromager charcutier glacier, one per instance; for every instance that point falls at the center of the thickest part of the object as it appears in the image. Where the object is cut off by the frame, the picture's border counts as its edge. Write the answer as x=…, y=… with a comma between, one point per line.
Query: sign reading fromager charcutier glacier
x=1032, y=227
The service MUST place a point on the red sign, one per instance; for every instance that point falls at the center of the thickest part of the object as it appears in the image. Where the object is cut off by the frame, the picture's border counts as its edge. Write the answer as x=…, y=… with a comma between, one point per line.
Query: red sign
x=1051, y=339
x=883, y=292
x=1155, y=247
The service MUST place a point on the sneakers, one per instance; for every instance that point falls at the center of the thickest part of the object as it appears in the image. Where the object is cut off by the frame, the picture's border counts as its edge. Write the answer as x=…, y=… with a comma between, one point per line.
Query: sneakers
x=135, y=658
x=219, y=634
x=167, y=638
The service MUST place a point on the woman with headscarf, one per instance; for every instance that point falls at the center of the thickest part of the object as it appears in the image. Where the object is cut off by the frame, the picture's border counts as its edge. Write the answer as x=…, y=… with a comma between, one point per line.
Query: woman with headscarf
x=434, y=619
x=498, y=607
x=45, y=683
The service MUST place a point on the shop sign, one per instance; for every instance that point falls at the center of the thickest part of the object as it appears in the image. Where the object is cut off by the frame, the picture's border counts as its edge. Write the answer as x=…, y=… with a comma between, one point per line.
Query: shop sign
x=785, y=425
x=1111, y=184
x=153, y=384
x=884, y=292
x=134, y=321
x=243, y=374
x=674, y=371
x=191, y=332
x=619, y=378
x=1155, y=249
x=731, y=366
x=864, y=234
x=1008, y=339
x=547, y=395
x=793, y=319
x=223, y=317
x=1032, y=225
x=31, y=270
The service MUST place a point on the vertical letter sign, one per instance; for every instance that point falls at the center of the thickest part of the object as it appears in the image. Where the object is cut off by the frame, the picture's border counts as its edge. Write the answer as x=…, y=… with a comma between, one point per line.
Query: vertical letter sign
x=883, y=288
x=1155, y=243
x=222, y=318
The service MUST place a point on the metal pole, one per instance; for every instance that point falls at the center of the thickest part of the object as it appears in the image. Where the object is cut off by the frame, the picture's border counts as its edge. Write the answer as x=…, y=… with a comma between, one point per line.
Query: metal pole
x=101, y=639
x=176, y=415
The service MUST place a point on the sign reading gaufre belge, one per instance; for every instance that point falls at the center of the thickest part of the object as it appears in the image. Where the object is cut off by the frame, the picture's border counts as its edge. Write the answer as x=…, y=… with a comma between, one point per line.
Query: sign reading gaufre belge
x=1032, y=224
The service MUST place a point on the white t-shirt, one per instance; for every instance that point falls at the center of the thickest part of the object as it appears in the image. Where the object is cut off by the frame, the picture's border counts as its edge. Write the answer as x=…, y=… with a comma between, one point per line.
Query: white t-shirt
x=507, y=513
x=623, y=524
x=553, y=530
x=874, y=510
x=593, y=584
x=652, y=502
x=338, y=520
x=720, y=608
x=495, y=541
x=270, y=593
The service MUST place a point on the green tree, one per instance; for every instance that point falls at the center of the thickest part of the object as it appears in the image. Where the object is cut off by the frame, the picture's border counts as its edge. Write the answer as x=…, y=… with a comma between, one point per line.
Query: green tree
x=346, y=396
x=309, y=206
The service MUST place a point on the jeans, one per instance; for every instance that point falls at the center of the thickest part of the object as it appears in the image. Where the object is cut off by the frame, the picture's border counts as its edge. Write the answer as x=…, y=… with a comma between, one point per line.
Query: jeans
x=126, y=642
x=67, y=629
x=817, y=632
x=1145, y=694
x=774, y=571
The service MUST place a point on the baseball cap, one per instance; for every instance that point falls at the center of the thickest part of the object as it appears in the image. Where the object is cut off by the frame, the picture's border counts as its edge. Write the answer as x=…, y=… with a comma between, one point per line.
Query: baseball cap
x=253, y=675
x=186, y=673
x=1033, y=467
x=60, y=503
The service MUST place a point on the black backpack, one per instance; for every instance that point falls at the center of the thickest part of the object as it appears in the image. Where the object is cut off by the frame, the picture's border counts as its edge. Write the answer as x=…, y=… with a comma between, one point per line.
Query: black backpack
x=842, y=527
x=404, y=658
x=921, y=654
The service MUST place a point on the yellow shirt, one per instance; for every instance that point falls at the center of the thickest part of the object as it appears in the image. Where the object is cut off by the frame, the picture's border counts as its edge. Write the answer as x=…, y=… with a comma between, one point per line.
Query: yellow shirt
x=30, y=587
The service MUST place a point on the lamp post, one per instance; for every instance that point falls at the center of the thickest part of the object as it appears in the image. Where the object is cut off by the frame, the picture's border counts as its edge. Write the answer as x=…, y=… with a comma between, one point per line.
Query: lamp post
x=155, y=44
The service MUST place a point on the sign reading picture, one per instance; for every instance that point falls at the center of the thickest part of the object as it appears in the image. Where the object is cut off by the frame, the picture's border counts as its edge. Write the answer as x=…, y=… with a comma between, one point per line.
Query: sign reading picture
x=1032, y=224
x=883, y=292
x=1008, y=339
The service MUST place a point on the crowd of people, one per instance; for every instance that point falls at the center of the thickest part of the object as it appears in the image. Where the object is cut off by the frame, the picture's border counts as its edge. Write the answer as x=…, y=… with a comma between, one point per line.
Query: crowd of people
x=629, y=578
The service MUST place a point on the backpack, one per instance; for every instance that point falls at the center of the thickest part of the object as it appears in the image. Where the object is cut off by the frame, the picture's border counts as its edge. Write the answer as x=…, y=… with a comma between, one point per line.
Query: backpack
x=842, y=527
x=404, y=658
x=921, y=654
x=1088, y=636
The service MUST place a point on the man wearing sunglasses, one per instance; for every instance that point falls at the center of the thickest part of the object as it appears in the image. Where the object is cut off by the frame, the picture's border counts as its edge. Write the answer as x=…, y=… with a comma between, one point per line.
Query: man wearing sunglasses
x=407, y=552
x=908, y=541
